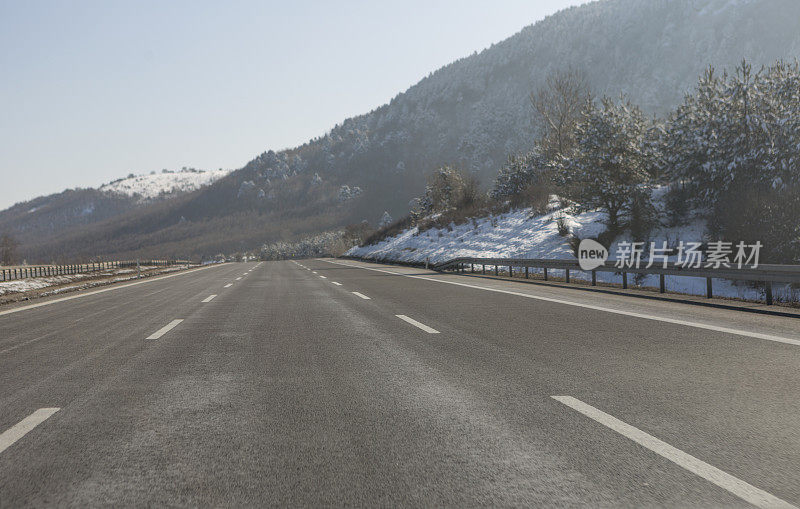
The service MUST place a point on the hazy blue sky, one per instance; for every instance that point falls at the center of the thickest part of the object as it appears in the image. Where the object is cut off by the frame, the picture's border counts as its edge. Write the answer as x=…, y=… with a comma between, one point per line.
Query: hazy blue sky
x=93, y=90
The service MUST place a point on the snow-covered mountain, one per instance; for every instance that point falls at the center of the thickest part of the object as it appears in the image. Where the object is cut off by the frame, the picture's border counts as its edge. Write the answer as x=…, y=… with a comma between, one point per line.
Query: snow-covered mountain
x=42, y=221
x=163, y=184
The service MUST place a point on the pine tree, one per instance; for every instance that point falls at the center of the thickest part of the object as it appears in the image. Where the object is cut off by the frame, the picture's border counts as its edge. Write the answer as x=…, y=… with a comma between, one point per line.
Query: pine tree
x=739, y=132
x=520, y=172
x=385, y=221
x=612, y=161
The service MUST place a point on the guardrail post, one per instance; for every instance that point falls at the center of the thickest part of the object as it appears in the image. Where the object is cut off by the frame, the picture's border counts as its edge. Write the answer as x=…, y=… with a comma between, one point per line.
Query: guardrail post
x=526, y=272
x=594, y=278
x=545, y=273
x=484, y=269
x=496, y=270
x=709, y=290
x=567, y=275
x=768, y=291
x=472, y=268
x=624, y=280
x=510, y=271
x=661, y=285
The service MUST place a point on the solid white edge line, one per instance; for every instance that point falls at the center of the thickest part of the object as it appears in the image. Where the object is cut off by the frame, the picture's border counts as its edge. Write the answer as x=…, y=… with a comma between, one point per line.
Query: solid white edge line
x=335, y=283
x=19, y=430
x=429, y=330
x=724, y=480
x=228, y=285
x=163, y=330
x=727, y=330
x=109, y=289
x=361, y=295
x=209, y=298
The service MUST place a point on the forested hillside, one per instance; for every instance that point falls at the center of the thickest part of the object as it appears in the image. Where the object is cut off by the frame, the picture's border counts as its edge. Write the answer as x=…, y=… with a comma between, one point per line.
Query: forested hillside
x=471, y=114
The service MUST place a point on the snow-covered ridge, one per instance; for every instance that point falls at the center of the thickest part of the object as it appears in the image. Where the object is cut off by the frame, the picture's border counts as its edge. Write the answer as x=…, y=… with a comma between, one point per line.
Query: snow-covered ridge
x=154, y=185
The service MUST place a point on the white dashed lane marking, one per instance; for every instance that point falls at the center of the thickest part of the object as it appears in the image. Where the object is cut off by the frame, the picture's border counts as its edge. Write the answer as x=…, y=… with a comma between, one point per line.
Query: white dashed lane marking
x=163, y=330
x=429, y=330
x=19, y=430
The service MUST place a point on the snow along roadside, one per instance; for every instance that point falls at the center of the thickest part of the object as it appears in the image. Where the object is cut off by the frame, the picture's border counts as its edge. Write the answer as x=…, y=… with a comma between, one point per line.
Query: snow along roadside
x=523, y=234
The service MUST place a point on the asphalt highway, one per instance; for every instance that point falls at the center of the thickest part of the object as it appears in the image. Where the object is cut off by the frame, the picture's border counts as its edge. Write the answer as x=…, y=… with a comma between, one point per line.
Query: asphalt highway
x=341, y=383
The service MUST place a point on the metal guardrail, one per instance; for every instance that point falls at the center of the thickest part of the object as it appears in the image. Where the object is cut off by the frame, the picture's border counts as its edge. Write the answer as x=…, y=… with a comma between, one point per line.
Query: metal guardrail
x=766, y=274
x=29, y=271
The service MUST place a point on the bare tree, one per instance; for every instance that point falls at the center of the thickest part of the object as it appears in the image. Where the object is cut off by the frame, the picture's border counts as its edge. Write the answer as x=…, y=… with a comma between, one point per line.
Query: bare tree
x=557, y=107
x=8, y=250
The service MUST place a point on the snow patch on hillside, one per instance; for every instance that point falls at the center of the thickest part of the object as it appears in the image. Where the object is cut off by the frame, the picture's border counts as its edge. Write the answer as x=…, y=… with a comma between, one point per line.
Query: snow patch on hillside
x=148, y=187
x=522, y=234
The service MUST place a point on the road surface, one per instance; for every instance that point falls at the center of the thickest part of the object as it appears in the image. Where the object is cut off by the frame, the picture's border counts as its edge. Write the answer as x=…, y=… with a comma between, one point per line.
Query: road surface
x=330, y=383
